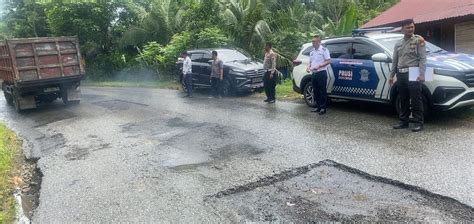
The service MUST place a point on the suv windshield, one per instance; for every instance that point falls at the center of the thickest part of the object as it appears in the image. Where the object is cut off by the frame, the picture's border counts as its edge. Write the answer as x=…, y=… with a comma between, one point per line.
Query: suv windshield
x=232, y=55
x=390, y=42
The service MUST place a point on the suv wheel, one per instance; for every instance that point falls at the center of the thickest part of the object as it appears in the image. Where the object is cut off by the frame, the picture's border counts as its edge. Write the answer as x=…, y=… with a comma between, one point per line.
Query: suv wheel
x=309, y=95
x=227, y=88
x=426, y=107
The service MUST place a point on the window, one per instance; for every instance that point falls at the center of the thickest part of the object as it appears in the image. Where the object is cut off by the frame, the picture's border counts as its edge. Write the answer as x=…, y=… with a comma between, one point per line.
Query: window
x=389, y=43
x=364, y=51
x=232, y=55
x=196, y=56
x=340, y=50
x=206, y=58
x=307, y=50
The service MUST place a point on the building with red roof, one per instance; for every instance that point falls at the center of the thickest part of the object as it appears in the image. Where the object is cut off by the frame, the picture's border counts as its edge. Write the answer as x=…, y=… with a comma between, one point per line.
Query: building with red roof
x=446, y=23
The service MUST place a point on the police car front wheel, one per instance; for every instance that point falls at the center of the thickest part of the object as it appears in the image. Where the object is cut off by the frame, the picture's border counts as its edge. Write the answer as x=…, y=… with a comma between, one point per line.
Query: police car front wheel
x=309, y=95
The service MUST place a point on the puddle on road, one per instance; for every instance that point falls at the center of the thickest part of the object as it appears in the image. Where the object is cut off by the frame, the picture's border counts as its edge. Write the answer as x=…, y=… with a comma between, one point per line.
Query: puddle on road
x=331, y=192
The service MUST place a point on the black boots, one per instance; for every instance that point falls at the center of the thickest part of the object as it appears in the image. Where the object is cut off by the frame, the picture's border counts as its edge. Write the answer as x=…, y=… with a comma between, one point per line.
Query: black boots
x=401, y=125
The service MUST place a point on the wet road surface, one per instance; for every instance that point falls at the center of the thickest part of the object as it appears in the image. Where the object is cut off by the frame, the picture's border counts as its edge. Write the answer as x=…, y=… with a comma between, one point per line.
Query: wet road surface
x=142, y=155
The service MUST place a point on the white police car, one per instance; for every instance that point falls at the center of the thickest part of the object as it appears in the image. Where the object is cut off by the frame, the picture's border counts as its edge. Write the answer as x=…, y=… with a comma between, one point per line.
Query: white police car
x=360, y=70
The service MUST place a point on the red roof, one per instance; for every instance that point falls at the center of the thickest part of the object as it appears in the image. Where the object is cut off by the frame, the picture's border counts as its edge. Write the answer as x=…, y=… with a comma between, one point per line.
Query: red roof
x=423, y=11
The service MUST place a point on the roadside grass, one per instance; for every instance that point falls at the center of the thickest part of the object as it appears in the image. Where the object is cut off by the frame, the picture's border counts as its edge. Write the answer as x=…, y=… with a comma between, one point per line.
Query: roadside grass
x=284, y=92
x=9, y=149
x=161, y=84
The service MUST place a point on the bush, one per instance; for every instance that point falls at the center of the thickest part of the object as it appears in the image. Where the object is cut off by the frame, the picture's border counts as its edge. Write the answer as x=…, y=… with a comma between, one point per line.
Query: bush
x=105, y=66
x=147, y=56
x=163, y=59
x=211, y=38
x=289, y=42
x=179, y=43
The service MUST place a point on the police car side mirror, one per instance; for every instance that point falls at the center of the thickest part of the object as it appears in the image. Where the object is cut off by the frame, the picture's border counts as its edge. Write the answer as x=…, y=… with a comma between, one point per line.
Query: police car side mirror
x=381, y=57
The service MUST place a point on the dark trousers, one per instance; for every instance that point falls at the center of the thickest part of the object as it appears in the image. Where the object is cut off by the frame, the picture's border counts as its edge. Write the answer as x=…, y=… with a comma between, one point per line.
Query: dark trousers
x=269, y=84
x=215, y=86
x=410, y=91
x=319, y=82
x=188, y=81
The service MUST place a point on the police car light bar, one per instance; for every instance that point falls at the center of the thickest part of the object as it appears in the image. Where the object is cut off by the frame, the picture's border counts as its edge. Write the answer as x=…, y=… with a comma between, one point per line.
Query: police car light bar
x=359, y=32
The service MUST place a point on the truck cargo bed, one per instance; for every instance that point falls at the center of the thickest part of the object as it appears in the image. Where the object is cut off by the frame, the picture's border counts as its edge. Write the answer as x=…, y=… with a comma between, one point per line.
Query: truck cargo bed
x=43, y=69
x=36, y=60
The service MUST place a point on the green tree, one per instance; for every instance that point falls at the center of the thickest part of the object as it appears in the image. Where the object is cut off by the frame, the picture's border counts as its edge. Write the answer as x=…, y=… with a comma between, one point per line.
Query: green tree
x=156, y=21
x=89, y=21
x=25, y=19
x=201, y=15
x=212, y=37
x=245, y=23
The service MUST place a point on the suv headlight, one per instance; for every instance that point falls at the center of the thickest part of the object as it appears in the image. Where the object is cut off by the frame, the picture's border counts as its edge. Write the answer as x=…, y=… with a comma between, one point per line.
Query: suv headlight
x=236, y=70
x=451, y=73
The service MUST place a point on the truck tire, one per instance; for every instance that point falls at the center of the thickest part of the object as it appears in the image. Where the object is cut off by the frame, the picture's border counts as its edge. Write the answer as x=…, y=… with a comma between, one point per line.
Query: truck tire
x=309, y=95
x=8, y=98
x=16, y=101
x=68, y=102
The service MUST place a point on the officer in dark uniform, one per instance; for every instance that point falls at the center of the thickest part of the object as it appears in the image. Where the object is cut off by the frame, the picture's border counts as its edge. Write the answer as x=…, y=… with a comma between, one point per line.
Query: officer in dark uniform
x=409, y=52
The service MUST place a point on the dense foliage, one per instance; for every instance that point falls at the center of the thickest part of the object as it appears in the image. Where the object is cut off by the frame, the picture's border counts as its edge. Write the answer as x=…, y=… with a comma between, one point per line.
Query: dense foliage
x=119, y=34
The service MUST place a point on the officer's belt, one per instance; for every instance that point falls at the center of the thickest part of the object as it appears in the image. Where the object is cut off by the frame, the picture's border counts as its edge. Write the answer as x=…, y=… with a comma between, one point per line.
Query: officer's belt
x=403, y=70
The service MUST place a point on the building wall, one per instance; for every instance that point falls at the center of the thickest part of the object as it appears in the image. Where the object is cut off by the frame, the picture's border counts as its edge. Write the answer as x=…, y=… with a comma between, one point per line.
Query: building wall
x=440, y=34
x=464, y=37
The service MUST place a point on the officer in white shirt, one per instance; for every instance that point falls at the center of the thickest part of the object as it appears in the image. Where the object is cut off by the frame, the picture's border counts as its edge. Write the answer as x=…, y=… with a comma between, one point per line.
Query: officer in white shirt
x=319, y=62
x=187, y=73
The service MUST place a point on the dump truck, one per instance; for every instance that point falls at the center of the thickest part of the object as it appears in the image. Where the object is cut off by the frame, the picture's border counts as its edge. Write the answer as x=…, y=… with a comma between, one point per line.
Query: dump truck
x=43, y=69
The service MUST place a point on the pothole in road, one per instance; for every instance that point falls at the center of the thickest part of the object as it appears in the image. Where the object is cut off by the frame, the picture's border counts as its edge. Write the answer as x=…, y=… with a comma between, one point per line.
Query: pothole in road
x=208, y=143
x=328, y=191
x=184, y=145
x=51, y=117
x=77, y=153
x=118, y=105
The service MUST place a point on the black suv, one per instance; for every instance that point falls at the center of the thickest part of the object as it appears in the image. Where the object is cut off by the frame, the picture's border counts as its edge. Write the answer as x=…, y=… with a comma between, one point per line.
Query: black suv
x=241, y=73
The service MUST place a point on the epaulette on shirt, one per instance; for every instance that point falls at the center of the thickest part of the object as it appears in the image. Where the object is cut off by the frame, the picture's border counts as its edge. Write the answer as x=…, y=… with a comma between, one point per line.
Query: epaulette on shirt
x=324, y=49
x=420, y=40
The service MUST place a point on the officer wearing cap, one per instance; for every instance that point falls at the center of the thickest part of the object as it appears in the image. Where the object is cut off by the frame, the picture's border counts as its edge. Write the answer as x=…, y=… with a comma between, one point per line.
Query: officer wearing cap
x=319, y=62
x=409, y=52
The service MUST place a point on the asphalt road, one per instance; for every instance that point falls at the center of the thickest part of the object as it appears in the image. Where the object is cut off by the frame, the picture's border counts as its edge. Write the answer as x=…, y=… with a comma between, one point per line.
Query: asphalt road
x=148, y=155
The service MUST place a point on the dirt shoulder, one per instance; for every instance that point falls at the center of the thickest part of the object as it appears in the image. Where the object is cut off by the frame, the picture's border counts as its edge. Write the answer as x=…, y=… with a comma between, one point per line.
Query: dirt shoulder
x=18, y=176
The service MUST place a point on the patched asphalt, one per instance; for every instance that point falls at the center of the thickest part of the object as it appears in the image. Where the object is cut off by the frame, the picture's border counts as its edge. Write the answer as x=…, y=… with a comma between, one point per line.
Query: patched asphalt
x=147, y=155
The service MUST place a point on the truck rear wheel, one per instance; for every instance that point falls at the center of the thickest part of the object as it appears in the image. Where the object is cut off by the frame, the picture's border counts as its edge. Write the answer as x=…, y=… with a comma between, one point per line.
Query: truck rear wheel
x=8, y=98
x=16, y=101
x=67, y=101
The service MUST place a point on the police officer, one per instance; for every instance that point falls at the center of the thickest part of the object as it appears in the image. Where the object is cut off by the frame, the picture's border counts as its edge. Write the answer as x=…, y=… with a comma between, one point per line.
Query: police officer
x=409, y=52
x=187, y=74
x=269, y=79
x=319, y=62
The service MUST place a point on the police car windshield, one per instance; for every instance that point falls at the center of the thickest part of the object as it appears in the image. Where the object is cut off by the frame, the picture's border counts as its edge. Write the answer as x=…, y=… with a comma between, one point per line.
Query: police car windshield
x=389, y=43
x=232, y=55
